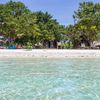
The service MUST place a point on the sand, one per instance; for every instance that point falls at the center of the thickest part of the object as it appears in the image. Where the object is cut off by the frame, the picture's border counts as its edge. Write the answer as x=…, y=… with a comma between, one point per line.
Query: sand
x=49, y=53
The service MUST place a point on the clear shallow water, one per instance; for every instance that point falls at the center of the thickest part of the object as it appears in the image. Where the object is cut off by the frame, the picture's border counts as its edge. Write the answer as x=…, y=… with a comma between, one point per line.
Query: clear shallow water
x=50, y=79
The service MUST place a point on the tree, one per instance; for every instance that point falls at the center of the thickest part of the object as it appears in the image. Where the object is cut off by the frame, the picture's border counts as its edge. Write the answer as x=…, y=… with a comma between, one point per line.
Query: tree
x=50, y=29
x=87, y=19
x=21, y=25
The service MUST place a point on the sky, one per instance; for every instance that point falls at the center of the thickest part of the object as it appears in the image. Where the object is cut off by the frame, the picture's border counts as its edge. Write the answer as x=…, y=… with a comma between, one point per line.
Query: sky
x=62, y=10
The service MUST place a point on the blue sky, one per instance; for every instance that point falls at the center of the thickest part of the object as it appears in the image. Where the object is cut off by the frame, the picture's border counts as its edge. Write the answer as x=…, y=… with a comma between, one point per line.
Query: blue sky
x=62, y=10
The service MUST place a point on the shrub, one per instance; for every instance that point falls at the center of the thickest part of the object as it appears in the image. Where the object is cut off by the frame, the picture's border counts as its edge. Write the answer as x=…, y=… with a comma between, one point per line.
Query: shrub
x=28, y=46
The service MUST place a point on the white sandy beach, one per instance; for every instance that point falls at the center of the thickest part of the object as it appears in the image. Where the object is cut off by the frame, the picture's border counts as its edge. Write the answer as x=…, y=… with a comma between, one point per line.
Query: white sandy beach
x=49, y=53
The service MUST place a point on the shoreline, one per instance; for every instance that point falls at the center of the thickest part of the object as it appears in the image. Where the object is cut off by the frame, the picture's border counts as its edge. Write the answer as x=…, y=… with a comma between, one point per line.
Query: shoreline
x=49, y=53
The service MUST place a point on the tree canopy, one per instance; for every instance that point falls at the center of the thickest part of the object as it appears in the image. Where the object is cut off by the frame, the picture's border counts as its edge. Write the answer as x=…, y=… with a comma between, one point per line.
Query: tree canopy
x=21, y=25
x=87, y=24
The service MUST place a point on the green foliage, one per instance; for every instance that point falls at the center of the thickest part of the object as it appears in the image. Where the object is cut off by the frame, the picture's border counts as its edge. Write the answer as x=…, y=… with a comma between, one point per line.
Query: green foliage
x=67, y=45
x=49, y=27
x=19, y=23
x=87, y=24
x=28, y=46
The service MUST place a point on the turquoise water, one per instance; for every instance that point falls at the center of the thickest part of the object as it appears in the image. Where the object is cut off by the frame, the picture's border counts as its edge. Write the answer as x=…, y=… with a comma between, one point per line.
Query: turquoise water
x=49, y=79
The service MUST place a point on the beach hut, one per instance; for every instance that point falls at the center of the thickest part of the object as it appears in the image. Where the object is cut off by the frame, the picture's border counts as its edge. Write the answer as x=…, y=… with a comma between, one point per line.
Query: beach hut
x=96, y=44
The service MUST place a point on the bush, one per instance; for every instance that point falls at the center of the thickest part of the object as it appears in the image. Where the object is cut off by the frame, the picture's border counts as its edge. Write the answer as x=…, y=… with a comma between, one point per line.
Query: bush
x=67, y=46
x=28, y=46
